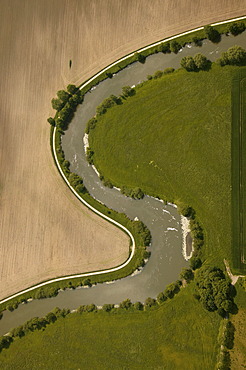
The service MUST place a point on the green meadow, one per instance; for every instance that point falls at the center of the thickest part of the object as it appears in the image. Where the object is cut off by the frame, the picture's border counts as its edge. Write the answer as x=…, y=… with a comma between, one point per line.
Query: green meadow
x=173, y=140
x=179, y=334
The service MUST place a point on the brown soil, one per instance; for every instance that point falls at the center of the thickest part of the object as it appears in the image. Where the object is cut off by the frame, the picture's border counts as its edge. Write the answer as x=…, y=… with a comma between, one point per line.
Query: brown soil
x=45, y=231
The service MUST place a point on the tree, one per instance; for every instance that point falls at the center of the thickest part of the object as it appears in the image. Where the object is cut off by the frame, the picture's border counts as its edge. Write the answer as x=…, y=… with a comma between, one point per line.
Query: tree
x=236, y=28
x=165, y=48
x=140, y=57
x=72, y=89
x=50, y=317
x=138, y=306
x=51, y=121
x=212, y=34
x=161, y=297
x=107, y=307
x=149, y=302
x=188, y=64
x=57, y=104
x=235, y=55
x=201, y=62
x=197, y=41
x=127, y=91
x=187, y=274
x=175, y=46
x=63, y=95
x=126, y=304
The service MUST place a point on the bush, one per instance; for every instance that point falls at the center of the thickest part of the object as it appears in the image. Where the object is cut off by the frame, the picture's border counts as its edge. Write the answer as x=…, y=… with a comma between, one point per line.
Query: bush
x=188, y=64
x=197, y=41
x=140, y=57
x=161, y=297
x=72, y=89
x=91, y=124
x=89, y=155
x=172, y=289
x=150, y=302
x=128, y=91
x=168, y=70
x=236, y=28
x=138, y=306
x=175, y=46
x=202, y=62
x=107, y=307
x=158, y=74
x=57, y=104
x=212, y=34
x=165, y=48
x=51, y=121
x=126, y=304
x=235, y=55
x=187, y=274
x=63, y=95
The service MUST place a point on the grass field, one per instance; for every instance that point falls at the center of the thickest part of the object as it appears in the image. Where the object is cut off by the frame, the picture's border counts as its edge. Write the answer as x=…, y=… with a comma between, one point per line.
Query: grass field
x=239, y=172
x=173, y=140
x=45, y=231
x=238, y=353
x=177, y=335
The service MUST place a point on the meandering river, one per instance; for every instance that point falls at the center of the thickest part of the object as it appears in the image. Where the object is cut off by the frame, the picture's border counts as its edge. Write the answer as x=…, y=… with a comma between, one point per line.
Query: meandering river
x=166, y=259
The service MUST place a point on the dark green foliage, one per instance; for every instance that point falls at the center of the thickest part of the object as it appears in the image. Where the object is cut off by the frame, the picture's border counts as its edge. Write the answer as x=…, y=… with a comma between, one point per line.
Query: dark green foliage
x=158, y=74
x=143, y=231
x=135, y=193
x=187, y=211
x=195, y=262
x=75, y=179
x=138, y=306
x=109, y=74
x=60, y=312
x=236, y=28
x=150, y=302
x=51, y=121
x=161, y=297
x=108, y=307
x=50, y=317
x=140, y=57
x=224, y=362
x=175, y=46
x=126, y=304
x=46, y=292
x=214, y=290
x=107, y=103
x=128, y=91
x=201, y=62
x=197, y=41
x=57, y=104
x=165, y=48
x=63, y=95
x=87, y=282
x=212, y=34
x=149, y=77
x=188, y=64
x=87, y=308
x=5, y=341
x=235, y=55
x=168, y=70
x=187, y=274
x=91, y=124
x=17, y=332
x=172, y=289
x=89, y=155
x=72, y=89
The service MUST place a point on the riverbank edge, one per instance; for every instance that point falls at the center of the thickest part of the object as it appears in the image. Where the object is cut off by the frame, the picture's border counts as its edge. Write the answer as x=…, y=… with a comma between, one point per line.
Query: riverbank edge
x=83, y=85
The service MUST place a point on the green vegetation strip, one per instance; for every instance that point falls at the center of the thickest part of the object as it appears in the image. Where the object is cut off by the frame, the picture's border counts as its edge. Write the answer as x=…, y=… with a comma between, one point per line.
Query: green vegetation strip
x=178, y=334
x=239, y=172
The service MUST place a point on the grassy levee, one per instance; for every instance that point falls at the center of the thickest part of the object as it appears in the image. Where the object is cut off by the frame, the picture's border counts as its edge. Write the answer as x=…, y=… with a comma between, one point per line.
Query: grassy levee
x=239, y=172
x=179, y=334
x=173, y=139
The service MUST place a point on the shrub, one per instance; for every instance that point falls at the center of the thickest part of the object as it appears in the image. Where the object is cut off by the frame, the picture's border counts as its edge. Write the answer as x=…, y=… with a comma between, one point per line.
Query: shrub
x=140, y=57
x=175, y=46
x=188, y=64
x=187, y=274
x=161, y=297
x=236, y=28
x=172, y=289
x=51, y=121
x=201, y=62
x=91, y=124
x=212, y=34
x=168, y=70
x=108, y=307
x=165, y=48
x=235, y=55
x=128, y=91
x=150, y=302
x=158, y=74
x=126, y=304
x=89, y=155
x=72, y=89
x=63, y=95
x=138, y=306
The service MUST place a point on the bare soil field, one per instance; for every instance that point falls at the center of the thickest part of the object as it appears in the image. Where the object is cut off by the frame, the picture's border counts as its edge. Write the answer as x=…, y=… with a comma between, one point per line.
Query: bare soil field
x=45, y=231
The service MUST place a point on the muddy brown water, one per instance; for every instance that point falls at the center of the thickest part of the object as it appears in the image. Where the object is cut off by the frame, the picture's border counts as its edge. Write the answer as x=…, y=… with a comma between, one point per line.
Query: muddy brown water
x=166, y=259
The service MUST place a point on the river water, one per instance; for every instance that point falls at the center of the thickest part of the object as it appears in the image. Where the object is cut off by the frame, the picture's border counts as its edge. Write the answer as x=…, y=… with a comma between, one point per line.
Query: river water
x=166, y=259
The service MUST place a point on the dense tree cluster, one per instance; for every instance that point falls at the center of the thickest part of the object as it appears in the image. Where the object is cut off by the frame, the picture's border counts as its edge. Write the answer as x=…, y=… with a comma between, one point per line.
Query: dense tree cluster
x=135, y=193
x=143, y=231
x=214, y=290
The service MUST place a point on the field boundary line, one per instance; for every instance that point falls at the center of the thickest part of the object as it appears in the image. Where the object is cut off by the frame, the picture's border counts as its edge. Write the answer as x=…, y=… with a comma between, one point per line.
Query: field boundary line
x=81, y=199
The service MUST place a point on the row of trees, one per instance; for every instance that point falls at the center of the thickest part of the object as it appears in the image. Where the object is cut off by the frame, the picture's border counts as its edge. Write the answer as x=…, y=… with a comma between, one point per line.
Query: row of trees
x=65, y=104
x=226, y=342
